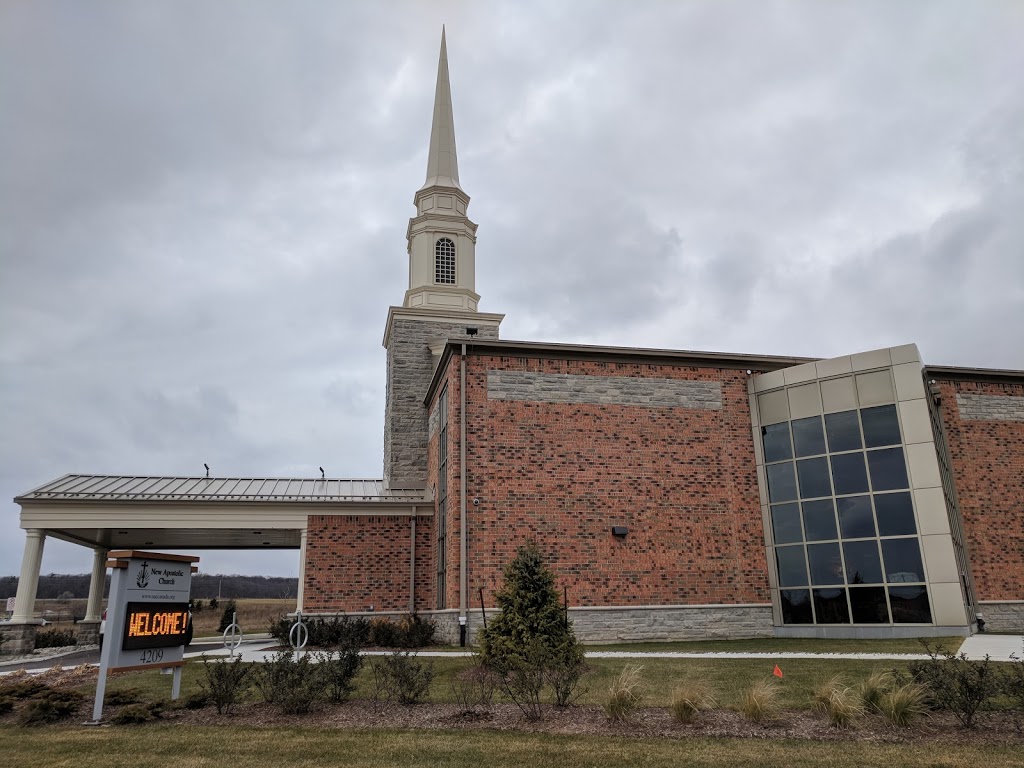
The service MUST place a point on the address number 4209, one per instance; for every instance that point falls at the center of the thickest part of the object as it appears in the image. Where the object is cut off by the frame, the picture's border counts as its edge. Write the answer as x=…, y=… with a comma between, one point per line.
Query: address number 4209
x=152, y=656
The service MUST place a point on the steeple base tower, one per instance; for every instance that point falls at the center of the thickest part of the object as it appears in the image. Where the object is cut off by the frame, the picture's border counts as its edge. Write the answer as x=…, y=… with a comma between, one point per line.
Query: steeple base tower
x=415, y=340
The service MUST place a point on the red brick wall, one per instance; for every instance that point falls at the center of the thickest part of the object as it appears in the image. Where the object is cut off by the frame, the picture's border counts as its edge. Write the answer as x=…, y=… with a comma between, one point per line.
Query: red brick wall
x=988, y=468
x=682, y=481
x=452, y=381
x=354, y=561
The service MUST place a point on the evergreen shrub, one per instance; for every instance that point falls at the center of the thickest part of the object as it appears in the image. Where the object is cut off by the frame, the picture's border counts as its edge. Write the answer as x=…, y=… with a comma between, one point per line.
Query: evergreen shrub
x=122, y=696
x=24, y=689
x=228, y=616
x=55, y=638
x=43, y=711
x=531, y=645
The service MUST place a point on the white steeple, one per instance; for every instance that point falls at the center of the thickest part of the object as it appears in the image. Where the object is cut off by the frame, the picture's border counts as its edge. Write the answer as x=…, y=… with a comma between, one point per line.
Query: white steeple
x=442, y=240
x=442, y=162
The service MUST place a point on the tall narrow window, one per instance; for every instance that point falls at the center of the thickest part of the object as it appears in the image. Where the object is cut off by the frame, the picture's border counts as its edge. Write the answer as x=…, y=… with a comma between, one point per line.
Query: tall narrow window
x=444, y=262
x=442, y=497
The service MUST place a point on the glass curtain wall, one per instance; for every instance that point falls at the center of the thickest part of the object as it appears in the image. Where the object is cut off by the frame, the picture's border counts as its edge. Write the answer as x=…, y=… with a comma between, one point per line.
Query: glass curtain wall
x=846, y=540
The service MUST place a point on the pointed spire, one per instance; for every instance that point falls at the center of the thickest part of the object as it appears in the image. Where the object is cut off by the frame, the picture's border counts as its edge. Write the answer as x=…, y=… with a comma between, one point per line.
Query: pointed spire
x=442, y=163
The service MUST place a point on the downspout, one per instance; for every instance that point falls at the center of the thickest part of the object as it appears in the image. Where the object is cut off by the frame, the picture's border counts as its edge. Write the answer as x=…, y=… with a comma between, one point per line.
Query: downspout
x=462, y=499
x=412, y=561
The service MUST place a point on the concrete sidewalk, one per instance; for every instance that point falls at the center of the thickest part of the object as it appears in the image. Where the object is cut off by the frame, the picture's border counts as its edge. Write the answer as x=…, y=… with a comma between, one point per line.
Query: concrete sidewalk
x=258, y=649
x=999, y=647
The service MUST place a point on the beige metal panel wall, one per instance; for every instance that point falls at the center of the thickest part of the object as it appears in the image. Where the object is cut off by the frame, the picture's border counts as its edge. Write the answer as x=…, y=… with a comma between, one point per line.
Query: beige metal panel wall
x=883, y=376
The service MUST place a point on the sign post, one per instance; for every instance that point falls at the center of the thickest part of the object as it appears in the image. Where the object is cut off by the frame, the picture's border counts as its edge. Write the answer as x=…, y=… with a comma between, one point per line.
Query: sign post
x=147, y=616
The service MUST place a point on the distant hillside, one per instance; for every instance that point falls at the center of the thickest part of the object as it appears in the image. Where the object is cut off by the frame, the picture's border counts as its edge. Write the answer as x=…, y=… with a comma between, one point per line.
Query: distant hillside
x=63, y=585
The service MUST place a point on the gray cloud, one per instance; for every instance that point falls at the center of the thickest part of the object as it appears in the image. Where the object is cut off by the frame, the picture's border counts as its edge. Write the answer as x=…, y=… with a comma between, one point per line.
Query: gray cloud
x=203, y=206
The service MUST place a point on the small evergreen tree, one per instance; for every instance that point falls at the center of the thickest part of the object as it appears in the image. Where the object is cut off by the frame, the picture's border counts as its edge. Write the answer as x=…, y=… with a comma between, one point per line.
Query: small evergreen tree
x=531, y=642
x=227, y=616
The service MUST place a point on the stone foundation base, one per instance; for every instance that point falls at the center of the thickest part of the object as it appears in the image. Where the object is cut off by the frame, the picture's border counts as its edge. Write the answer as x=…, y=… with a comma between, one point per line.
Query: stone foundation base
x=88, y=633
x=18, y=638
x=640, y=624
x=1004, y=616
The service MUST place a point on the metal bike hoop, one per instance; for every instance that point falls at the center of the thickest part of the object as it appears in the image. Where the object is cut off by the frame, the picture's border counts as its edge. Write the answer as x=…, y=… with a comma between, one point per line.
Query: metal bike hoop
x=233, y=635
x=298, y=635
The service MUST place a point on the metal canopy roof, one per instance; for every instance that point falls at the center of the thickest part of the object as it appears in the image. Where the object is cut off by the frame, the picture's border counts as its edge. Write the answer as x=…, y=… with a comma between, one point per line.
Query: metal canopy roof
x=120, y=488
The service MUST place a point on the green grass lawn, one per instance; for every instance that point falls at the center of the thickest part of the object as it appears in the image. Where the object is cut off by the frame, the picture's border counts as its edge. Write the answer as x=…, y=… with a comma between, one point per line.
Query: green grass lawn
x=727, y=678
x=217, y=746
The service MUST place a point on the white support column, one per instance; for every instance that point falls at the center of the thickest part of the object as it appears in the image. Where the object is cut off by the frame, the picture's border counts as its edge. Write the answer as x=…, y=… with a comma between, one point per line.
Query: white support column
x=31, y=562
x=302, y=570
x=94, y=608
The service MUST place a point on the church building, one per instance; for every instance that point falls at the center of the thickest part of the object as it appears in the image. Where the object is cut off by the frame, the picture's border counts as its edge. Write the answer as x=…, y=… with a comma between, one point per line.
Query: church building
x=676, y=494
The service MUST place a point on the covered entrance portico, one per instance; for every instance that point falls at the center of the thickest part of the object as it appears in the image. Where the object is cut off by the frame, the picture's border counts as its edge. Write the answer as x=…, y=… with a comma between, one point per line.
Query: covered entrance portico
x=106, y=512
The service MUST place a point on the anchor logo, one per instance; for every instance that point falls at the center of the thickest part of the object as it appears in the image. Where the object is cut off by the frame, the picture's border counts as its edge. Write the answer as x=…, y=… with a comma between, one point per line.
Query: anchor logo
x=143, y=577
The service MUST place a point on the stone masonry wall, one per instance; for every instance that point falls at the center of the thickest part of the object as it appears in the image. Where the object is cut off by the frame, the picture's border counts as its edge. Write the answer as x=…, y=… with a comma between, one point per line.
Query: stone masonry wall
x=987, y=451
x=410, y=368
x=680, y=478
x=353, y=562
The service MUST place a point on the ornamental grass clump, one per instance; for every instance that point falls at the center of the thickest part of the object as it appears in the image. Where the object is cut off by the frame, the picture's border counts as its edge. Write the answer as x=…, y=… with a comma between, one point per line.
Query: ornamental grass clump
x=903, y=704
x=840, y=703
x=874, y=687
x=689, y=699
x=625, y=694
x=761, y=702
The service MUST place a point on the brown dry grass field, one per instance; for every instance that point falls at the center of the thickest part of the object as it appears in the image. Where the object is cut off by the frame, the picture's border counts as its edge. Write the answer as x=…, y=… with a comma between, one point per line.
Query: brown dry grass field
x=254, y=616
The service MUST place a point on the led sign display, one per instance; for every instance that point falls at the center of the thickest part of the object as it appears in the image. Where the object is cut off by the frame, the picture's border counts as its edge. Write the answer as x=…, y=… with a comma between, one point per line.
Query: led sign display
x=154, y=625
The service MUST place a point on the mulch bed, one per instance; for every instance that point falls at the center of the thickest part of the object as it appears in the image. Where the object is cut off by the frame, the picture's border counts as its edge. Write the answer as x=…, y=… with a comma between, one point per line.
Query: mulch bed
x=993, y=728
x=941, y=727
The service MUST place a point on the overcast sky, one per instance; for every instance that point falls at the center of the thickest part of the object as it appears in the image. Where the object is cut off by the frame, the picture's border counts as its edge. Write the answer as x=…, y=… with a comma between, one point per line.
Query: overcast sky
x=203, y=206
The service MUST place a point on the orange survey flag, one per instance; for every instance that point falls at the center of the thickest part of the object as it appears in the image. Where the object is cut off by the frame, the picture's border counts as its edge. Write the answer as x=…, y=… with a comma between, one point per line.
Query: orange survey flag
x=777, y=672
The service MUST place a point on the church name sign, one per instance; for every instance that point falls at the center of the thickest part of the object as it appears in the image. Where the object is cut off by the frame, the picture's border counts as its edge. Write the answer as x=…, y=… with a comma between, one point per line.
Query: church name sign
x=147, y=616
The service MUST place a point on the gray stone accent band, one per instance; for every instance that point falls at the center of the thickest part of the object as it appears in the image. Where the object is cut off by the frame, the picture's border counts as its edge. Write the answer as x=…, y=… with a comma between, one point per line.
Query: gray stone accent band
x=990, y=407
x=603, y=390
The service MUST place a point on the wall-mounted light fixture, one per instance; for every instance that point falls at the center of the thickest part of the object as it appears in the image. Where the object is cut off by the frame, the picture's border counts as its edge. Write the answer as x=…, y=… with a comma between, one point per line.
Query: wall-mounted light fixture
x=620, y=531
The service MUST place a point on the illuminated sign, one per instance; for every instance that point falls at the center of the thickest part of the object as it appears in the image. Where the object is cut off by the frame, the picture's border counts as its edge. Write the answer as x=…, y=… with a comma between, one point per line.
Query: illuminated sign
x=154, y=625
